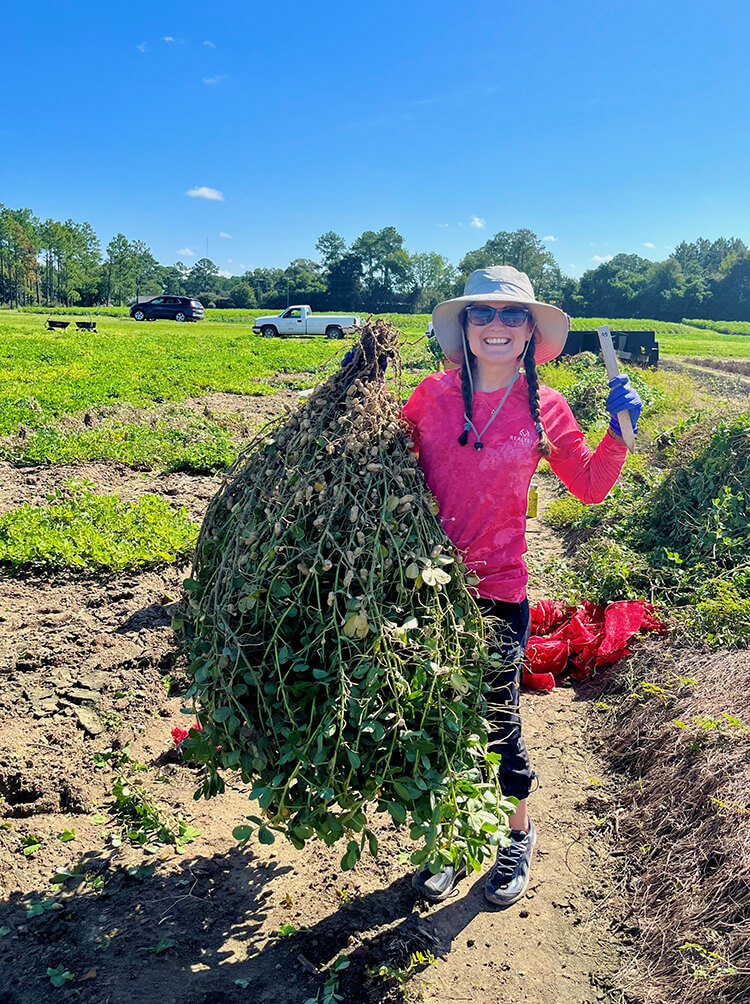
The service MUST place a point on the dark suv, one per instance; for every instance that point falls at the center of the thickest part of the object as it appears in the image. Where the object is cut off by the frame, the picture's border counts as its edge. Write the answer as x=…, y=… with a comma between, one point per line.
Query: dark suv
x=175, y=308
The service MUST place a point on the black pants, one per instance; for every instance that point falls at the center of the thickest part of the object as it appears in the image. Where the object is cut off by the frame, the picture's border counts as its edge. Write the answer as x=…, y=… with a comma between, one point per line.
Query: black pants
x=511, y=636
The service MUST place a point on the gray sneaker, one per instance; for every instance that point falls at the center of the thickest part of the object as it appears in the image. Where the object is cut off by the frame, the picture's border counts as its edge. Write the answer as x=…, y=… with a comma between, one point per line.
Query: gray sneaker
x=439, y=886
x=509, y=877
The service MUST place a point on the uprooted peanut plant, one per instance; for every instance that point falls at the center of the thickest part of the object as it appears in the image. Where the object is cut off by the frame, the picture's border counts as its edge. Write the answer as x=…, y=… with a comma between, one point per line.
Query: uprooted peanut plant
x=336, y=651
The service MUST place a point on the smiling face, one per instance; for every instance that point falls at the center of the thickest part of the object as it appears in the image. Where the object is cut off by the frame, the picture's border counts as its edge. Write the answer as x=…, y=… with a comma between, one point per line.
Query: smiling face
x=494, y=345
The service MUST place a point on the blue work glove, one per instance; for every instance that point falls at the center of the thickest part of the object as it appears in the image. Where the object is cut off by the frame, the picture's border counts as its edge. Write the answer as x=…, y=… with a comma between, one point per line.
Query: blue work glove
x=623, y=397
x=349, y=357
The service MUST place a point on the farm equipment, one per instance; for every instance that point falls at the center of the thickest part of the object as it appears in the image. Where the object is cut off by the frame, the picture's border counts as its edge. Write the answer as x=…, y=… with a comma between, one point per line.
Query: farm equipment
x=631, y=346
x=53, y=325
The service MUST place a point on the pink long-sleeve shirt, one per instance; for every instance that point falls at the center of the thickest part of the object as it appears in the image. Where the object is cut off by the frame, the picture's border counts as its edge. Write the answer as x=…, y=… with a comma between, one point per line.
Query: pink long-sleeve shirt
x=483, y=494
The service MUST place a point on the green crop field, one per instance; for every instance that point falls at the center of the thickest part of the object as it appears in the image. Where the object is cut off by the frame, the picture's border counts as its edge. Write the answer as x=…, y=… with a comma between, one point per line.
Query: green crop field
x=50, y=373
x=671, y=334
x=47, y=374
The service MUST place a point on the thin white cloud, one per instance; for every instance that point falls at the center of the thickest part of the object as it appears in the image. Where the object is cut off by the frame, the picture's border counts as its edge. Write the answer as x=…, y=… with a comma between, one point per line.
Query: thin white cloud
x=168, y=38
x=142, y=47
x=210, y=81
x=227, y=236
x=210, y=45
x=648, y=244
x=224, y=274
x=549, y=240
x=477, y=222
x=443, y=226
x=203, y=192
x=599, y=258
x=186, y=252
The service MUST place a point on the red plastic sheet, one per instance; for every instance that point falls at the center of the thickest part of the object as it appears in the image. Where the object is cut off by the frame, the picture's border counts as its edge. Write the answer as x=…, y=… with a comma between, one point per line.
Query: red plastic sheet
x=582, y=638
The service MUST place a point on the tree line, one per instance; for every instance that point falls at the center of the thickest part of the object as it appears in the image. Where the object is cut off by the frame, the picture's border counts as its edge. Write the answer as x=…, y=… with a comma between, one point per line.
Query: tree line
x=51, y=263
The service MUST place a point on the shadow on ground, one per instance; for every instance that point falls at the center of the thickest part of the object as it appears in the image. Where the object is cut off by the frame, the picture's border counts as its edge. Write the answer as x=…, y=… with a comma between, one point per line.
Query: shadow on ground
x=194, y=935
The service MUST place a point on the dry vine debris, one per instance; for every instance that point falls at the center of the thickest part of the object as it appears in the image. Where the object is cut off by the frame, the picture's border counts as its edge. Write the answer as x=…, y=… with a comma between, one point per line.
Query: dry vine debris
x=335, y=649
x=684, y=822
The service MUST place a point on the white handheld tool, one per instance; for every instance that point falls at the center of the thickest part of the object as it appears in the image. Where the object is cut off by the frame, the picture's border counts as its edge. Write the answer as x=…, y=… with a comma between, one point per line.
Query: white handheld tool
x=613, y=370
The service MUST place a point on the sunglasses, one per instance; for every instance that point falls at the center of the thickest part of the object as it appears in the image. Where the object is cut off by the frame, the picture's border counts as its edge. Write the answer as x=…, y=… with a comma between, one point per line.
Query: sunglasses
x=511, y=317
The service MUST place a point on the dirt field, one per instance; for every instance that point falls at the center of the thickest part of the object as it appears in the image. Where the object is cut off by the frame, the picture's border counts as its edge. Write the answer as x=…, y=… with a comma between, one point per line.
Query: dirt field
x=91, y=664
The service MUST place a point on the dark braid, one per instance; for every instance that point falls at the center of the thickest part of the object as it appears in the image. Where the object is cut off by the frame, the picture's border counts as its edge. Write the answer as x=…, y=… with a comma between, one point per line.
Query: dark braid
x=544, y=447
x=468, y=397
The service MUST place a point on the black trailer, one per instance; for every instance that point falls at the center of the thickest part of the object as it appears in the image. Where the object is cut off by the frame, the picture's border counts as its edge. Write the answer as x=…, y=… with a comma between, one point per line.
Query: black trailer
x=631, y=346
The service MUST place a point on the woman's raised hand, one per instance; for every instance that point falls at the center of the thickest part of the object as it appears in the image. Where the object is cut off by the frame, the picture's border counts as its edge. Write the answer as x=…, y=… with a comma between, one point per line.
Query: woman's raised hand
x=623, y=397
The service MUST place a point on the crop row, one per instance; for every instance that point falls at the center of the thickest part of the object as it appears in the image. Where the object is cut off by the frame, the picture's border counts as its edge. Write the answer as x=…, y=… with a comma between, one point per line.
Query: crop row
x=727, y=327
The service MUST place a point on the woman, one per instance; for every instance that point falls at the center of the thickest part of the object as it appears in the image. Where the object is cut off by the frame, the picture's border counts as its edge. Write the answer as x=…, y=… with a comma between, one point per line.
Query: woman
x=481, y=431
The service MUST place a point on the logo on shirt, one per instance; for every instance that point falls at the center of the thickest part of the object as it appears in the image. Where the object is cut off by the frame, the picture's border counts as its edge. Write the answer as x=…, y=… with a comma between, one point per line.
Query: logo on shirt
x=523, y=437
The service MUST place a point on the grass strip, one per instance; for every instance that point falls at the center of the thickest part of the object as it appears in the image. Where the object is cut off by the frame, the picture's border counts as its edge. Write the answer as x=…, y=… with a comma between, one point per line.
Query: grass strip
x=82, y=530
x=727, y=327
x=200, y=447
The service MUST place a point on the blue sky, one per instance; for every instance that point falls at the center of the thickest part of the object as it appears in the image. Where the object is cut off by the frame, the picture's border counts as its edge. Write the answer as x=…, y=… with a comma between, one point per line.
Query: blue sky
x=609, y=126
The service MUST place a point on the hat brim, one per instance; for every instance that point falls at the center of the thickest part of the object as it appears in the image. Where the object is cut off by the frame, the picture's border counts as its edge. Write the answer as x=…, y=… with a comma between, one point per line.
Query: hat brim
x=552, y=325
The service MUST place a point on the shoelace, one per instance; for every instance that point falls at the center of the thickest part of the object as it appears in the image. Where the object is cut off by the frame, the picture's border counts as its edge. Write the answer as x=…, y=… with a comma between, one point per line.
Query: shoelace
x=508, y=857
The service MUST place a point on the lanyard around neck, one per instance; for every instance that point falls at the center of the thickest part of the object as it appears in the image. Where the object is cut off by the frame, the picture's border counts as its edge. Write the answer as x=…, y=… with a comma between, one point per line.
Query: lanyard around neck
x=479, y=445
x=468, y=424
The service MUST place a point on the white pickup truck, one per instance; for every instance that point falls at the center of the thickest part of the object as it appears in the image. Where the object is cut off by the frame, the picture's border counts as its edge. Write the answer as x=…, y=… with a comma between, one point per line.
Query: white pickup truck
x=299, y=320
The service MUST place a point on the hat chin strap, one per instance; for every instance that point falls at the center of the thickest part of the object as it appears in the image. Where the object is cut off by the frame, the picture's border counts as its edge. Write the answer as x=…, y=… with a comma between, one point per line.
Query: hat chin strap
x=468, y=424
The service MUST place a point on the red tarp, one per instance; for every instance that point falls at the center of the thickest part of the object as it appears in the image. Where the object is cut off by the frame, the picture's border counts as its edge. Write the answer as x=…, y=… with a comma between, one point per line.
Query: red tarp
x=584, y=637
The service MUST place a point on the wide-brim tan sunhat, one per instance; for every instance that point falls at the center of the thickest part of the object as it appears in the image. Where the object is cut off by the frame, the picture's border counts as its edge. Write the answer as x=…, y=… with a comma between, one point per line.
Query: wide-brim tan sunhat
x=498, y=283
